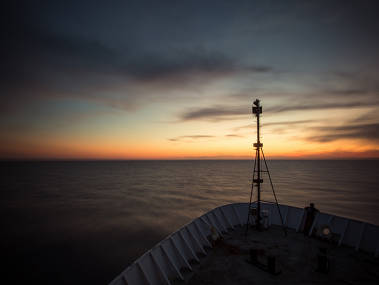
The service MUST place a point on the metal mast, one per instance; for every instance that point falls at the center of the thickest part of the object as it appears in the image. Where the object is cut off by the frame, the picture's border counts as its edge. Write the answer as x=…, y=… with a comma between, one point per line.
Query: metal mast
x=257, y=110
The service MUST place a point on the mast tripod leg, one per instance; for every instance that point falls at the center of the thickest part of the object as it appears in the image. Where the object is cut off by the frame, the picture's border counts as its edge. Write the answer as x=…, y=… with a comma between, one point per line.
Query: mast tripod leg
x=273, y=191
x=251, y=195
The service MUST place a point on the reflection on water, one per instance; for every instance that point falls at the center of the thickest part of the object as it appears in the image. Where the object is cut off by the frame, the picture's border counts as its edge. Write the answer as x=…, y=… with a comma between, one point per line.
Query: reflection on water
x=71, y=222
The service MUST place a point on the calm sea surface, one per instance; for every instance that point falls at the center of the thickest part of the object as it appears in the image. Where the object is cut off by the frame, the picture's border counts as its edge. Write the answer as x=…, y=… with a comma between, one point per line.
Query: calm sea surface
x=71, y=222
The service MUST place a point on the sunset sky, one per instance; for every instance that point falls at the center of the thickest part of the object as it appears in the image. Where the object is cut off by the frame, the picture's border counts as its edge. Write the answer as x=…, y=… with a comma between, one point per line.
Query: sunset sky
x=176, y=79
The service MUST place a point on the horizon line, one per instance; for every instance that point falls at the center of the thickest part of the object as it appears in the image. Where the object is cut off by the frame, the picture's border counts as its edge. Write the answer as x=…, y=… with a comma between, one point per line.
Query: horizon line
x=172, y=159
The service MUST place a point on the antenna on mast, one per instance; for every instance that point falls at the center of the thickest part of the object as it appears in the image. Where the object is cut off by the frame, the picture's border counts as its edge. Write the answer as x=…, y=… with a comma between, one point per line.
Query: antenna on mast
x=257, y=110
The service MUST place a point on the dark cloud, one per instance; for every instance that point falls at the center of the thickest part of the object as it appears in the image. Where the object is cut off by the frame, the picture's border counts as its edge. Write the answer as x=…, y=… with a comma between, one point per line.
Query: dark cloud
x=320, y=106
x=358, y=91
x=369, y=117
x=234, y=136
x=42, y=65
x=346, y=85
x=70, y=50
x=346, y=91
x=192, y=137
x=38, y=63
x=222, y=112
x=186, y=65
x=368, y=132
x=299, y=122
x=215, y=113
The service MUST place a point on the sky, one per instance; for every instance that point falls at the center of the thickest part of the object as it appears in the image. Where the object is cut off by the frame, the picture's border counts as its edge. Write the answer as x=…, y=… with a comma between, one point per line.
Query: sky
x=177, y=79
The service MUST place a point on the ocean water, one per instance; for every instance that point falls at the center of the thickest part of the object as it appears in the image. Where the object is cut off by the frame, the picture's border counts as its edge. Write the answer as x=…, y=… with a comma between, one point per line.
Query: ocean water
x=84, y=222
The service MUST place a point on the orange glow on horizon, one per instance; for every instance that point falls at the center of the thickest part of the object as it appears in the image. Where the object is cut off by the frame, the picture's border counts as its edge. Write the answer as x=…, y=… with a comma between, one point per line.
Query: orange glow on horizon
x=191, y=140
x=169, y=150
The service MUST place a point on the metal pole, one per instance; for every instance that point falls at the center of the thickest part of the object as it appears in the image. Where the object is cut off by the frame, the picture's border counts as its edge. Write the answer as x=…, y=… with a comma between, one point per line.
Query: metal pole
x=259, y=173
x=257, y=110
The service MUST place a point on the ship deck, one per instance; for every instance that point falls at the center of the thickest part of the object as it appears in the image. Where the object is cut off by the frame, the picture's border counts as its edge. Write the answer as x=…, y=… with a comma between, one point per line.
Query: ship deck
x=353, y=252
x=296, y=258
